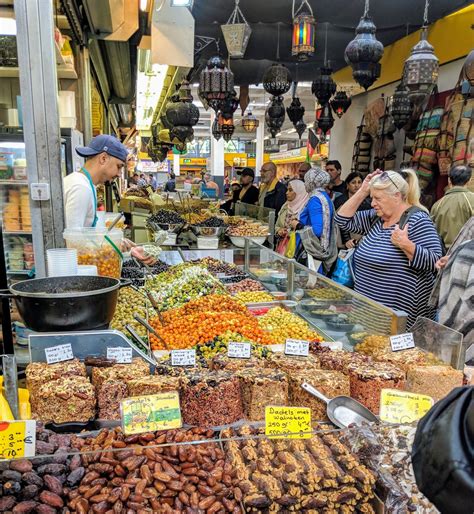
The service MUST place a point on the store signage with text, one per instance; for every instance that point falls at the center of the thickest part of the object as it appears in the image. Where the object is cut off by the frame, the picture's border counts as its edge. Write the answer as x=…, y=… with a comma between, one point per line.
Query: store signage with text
x=17, y=439
x=297, y=347
x=60, y=353
x=288, y=422
x=402, y=407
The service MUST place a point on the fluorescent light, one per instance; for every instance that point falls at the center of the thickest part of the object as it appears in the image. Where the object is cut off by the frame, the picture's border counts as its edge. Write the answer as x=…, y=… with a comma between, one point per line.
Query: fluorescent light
x=149, y=88
x=291, y=131
x=7, y=27
x=143, y=5
x=181, y=3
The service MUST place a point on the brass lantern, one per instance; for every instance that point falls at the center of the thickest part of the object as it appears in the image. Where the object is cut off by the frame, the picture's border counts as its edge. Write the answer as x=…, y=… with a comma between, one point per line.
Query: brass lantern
x=250, y=123
x=236, y=32
x=304, y=33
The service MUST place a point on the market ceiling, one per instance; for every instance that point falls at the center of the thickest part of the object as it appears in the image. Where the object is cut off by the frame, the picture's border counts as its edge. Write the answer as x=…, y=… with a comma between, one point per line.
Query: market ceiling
x=267, y=18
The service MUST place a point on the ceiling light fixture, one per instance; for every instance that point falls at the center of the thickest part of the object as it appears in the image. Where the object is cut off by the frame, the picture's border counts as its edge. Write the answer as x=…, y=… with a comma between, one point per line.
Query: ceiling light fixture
x=236, y=32
x=7, y=26
x=181, y=3
x=143, y=5
x=304, y=32
x=250, y=123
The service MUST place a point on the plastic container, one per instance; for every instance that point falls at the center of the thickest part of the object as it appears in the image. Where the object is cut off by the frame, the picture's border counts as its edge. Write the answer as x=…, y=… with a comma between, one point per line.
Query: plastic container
x=95, y=246
x=208, y=243
x=62, y=262
x=87, y=270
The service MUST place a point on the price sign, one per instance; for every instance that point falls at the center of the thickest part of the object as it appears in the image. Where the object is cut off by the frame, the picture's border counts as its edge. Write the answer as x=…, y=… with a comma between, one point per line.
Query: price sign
x=150, y=413
x=297, y=347
x=60, y=353
x=402, y=342
x=183, y=357
x=288, y=422
x=402, y=407
x=239, y=350
x=17, y=439
x=121, y=354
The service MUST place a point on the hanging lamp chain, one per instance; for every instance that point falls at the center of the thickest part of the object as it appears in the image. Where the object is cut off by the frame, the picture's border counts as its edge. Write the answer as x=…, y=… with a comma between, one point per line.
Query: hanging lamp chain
x=278, y=42
x=304, y=2
x=366, y=8
x=326, y=46
x=237, y=15
x=425, y=14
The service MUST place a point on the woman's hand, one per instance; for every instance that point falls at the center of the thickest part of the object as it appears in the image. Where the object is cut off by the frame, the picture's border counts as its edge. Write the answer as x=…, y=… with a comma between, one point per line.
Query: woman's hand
x=401, y=240
x=365, y=188
x=350, y=244
x=127, y=245
x=294, y=224
x=282, y=232
x=139, y=253
x=441, y=263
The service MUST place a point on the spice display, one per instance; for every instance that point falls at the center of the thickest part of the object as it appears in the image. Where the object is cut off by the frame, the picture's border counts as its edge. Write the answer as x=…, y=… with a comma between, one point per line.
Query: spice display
x=386, y=450
x=160, y=479
x=40, y=484
x=254, y=297
x=330, y=383
x=262, y=387
x=283, y=324
x=154, y=384
x=71, y=398
x=311, y=475
x=109, y=395
x=434, y=381
x=137, y=368
x=210, y=398
x=203, y=327
x=37, y=373
x=368, y=380
x=131, y=302
x=247, y=284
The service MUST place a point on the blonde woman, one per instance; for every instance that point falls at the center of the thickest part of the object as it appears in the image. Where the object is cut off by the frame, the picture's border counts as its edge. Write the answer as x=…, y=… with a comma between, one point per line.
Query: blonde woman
x=394, y=264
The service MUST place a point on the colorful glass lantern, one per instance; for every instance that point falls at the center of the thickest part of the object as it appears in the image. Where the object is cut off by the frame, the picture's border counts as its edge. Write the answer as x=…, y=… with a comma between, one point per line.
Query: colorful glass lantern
x=420, y=73
x=250, y=123
x=216, y=83
x=323, y=87
x=236, y=33
x=304, y=35
x=340, y=103
x=277, y=80
x=364, y=52
x=401, y=108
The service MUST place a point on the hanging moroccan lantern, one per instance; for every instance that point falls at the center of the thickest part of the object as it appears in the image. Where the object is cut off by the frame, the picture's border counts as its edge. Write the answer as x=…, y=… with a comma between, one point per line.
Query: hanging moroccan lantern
x=250, y=123
x=216, y=83
x=324, y=119
x=230, y=106
x=277, y=80
x=300, y=127
x=420, y=73
x=467, y=76
x=236, y=32
x=275, y=115
x=182, y=114
x=340, y=103
x=180, y=149
x=401, y=108
x=295, y=111
x=227, y=128
x=364, y=52
x=323, y=87
x=304, y=33
x=216, y=130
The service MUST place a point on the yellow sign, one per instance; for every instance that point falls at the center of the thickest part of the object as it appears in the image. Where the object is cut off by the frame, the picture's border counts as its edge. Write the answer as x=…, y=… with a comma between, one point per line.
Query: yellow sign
x=17, y=439
x=149, y=413
x=402, y=407
x=288, y=422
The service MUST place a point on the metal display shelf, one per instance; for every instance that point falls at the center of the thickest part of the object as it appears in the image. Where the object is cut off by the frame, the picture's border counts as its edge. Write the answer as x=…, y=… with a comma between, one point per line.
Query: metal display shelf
x=64, y=72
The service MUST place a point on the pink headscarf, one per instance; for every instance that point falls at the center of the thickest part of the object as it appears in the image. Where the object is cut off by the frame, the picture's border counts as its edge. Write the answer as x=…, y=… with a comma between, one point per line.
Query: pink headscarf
x=298, y=204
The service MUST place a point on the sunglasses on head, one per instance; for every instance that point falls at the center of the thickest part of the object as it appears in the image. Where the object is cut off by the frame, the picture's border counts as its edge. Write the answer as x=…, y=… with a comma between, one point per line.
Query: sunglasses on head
x=384, y=176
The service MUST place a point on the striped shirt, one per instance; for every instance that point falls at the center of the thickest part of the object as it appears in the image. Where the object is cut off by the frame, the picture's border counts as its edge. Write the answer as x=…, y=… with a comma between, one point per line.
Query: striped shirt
x=383, y=272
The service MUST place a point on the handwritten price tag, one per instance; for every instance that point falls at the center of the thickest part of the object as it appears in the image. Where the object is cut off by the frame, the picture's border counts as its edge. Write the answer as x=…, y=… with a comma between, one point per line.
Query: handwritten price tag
x=297, y=347
x=288, y=422
x=150, y=413
x=239, y=350
x=121, y=354
x=402, y=342
x=183, y=357
x=17, y=439
x=402, y=407
x=60, y=353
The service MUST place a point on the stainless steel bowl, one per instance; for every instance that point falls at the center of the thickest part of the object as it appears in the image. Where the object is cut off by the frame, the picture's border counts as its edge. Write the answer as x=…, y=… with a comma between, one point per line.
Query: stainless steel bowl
x=169, y=227
x=208, y=231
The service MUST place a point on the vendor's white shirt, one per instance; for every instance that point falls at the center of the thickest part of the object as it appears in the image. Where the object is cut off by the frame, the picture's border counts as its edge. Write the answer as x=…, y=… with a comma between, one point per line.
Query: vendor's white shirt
x=78, y=201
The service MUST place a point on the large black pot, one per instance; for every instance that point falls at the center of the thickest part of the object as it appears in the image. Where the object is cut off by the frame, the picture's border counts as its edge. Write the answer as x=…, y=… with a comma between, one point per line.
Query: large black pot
x=60, y=304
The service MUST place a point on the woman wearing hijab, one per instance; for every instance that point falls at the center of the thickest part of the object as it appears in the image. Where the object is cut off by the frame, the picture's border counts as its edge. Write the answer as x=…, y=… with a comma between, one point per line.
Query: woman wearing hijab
x=296, y=199
x=317, y=247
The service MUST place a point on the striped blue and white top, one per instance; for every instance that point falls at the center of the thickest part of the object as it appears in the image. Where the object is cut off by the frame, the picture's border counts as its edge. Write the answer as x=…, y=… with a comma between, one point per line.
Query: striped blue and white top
x=383, y=272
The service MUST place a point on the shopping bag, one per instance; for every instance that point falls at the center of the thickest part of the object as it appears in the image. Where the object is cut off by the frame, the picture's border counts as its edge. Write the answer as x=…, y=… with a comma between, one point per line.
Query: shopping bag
x=282, y=245
x=342, y=273
x=291, y=247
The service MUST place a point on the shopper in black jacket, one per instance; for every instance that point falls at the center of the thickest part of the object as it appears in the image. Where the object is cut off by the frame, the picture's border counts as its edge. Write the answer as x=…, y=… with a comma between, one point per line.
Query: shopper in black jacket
x=246, y=193
x=272, y=192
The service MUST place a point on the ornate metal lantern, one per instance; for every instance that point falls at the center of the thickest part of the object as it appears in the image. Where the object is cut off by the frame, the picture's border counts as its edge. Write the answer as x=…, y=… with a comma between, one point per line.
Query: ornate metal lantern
x=216, y=83
x=364, y=52
x=230, y=106
x=304, y=33
x=300, y=127
x=250, y=123
x=216, y=130
x=236, y=32
x=275, y=115
x=295, y=111
x=420, y=73
x=401, y=108
x=277, y=80
x=323, y=86
x=340, y=103
x=324, y=119
x=227, y=128
x=182, y=114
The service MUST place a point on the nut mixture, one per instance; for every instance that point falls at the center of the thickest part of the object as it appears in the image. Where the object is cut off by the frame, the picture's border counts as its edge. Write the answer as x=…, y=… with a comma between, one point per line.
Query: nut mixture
x=245, y=285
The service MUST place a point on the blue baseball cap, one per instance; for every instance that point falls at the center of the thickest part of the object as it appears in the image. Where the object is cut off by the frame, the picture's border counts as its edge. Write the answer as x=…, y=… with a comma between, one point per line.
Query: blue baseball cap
x=104, y=143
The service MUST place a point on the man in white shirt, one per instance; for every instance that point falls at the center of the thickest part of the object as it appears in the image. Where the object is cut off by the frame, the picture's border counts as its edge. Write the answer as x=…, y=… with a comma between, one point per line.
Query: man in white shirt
x=105, y=157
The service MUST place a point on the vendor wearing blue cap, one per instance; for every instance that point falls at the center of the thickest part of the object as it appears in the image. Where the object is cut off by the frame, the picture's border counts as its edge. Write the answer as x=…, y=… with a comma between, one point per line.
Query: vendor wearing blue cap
x=105, y=157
